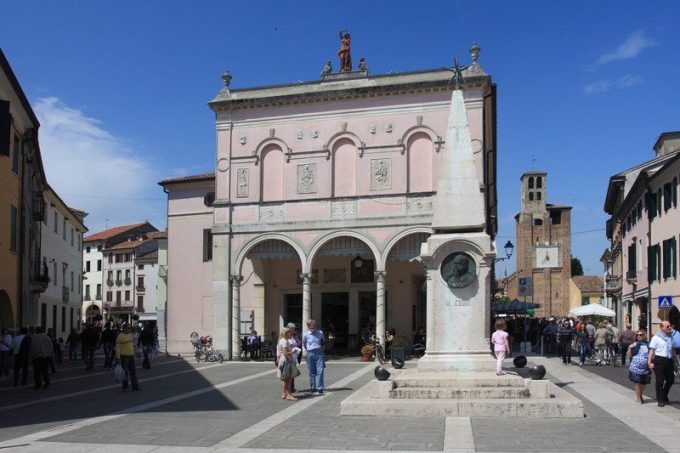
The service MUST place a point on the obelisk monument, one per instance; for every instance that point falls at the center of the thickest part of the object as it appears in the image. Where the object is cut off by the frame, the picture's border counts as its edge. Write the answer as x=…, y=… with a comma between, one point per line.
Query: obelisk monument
x=458, y=259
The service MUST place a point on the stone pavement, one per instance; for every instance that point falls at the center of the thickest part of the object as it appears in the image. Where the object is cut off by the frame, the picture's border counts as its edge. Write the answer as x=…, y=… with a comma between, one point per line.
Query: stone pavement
x=236, y=406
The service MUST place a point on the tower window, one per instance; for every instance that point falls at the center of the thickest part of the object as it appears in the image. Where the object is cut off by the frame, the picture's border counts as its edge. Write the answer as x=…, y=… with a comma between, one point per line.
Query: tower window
x=531, y=183
x=531, y=196
x=538, y=222
x=539, y=182
x=556, y=217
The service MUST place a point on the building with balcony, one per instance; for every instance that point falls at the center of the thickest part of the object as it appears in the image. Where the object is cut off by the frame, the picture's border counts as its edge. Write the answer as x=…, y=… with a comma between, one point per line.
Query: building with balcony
x=62, y=256
x=22, y=181
x=321, y=198
x=643, y=229
x=94, y=280
x=124, y=264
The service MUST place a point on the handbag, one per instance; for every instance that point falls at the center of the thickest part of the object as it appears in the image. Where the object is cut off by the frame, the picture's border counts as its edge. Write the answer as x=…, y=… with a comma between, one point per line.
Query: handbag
x=118, y=374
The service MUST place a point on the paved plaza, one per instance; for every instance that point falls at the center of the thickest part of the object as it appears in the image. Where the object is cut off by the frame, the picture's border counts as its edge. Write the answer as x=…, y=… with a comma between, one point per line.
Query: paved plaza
x=235, y=406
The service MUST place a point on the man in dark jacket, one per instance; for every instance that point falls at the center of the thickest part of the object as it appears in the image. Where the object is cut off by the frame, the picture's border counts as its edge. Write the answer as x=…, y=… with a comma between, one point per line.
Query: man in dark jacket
x=564, y=336
x=146, y=342
x=21, y=358
x=107, y=341
x=89, y=339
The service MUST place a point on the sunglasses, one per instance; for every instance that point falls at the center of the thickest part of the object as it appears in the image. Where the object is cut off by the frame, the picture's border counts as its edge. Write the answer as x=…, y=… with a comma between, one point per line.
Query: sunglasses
x=639, y=334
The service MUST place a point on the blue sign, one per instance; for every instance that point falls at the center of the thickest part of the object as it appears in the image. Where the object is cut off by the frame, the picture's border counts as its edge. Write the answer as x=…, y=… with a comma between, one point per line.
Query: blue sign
x=665, y=301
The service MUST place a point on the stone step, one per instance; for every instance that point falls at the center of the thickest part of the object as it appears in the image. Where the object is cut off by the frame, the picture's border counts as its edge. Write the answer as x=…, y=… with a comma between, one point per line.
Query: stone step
x=435, y=382
x=441, y=393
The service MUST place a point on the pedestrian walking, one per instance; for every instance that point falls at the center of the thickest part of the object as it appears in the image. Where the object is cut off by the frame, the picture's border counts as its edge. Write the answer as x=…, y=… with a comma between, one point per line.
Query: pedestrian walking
x=146, y=342
x=90, y=340
x=294, y=342
x=312, y=341
x=627, y=338
x=286, y=363
x=125, y=354
x=5, y=349
x=501, y=345
x=41, y=350
x=107, y=340
x=565, y=335
x=582, y=344
x=22, y=349
x=662, y=360
x=600, y=341
x=72, y=342
x=638, y=371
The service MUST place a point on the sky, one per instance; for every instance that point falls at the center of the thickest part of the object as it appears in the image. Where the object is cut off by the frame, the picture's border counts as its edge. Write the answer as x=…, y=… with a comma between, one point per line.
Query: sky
x=121, y=88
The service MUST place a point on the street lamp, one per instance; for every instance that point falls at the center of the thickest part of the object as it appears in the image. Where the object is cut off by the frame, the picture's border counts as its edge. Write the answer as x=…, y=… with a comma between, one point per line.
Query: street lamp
x=509, y=248
x=357, y=262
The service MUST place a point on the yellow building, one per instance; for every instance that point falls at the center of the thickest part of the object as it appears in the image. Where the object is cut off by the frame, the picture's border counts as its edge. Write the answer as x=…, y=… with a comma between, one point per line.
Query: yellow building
x=22, y=179
x=585, y=290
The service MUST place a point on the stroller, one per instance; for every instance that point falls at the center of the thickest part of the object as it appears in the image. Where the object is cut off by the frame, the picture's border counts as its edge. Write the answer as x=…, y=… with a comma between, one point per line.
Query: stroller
x=203, y=349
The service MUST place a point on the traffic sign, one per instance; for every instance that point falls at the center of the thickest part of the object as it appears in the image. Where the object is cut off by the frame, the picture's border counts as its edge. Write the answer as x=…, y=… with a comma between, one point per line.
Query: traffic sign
x=665, y=301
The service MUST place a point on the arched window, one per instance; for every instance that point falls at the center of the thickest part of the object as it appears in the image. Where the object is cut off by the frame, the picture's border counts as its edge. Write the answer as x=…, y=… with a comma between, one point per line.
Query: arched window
x=538, y=195
x=539, y=182
x=272, y=173
x=420, y=154
x=531, y=196
x=344, y=169
x=531, y=182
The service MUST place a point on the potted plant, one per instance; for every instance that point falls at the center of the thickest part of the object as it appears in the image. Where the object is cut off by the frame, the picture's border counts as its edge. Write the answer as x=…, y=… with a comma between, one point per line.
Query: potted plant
x=366, y=353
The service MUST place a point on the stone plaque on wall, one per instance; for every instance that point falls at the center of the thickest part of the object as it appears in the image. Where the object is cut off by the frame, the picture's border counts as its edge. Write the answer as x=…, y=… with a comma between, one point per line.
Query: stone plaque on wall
x=306, y=178
x=242, y=183
x=334, y=275
x=343, y=209
x=381, y=174
x=269, y=214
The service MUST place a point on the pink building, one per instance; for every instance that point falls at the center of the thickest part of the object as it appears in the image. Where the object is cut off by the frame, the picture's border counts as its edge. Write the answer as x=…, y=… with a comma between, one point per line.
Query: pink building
x=321, y=198
x=644, y=230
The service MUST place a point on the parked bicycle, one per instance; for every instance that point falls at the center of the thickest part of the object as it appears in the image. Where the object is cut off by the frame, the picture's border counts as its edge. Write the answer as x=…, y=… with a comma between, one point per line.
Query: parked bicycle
x=203, y=349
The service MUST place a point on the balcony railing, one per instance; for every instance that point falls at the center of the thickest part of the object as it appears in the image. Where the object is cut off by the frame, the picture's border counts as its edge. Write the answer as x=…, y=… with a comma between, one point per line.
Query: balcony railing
x=38, y=208
x=109, y=282
x=631, y=276
x=128, y=282
x=98, y=296
x=87, y=297
x=139, y=288
x=39, y=277
x=613, y=284
x=65, y=292
x=119, y=282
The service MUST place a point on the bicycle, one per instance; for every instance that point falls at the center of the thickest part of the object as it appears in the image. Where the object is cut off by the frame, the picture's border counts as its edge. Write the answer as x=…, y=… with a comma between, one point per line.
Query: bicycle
x=378, y=351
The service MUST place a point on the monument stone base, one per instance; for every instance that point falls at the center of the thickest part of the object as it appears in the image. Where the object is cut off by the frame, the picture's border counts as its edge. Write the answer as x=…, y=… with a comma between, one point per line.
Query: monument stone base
x=415, y=393
x=457, y=361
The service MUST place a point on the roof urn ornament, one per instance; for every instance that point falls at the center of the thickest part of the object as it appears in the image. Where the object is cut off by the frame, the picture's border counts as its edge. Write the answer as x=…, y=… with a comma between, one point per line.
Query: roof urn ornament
x=226, y=79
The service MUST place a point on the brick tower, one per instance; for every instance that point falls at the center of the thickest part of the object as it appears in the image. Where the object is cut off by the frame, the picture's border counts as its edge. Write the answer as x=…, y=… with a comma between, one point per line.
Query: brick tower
x=543, y=251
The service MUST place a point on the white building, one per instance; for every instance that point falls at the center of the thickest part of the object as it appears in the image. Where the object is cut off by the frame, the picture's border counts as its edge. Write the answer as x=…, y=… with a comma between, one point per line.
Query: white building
x=147, y=280
x=93, y=277
x=61, y=246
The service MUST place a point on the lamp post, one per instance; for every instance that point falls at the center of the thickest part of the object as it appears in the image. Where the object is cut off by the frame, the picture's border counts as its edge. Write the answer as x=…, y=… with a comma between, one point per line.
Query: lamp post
x=509, y=248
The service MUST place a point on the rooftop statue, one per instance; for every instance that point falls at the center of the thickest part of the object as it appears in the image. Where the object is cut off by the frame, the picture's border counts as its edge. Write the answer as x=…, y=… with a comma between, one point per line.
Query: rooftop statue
x=327, y=68
x=344, y=52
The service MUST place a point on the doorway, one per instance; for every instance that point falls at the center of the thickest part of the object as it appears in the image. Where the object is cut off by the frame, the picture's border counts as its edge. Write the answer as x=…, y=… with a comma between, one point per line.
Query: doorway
x=292, y=310
x=335, y=317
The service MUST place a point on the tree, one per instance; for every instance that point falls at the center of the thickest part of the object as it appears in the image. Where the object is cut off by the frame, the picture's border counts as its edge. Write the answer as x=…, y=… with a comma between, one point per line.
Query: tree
x=576, y=266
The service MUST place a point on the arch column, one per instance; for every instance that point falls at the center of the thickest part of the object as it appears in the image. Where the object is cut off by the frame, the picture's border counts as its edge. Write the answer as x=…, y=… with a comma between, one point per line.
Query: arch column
x=306, y=298
x=380, y=306
x=236, y=316
x=429, y=311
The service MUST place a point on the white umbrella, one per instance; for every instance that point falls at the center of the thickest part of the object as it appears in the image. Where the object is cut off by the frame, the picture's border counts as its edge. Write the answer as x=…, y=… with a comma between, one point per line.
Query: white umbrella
x=592, y=310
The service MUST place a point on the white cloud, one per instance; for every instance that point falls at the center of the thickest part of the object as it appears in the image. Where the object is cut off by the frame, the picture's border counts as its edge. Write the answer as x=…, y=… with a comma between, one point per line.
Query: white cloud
x=95, y=171
x=630, y=48
x=602, y=86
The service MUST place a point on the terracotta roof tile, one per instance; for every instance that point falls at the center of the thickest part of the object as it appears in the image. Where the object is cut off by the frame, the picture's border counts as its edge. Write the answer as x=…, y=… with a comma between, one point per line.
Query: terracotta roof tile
x=106, y=234
x=588, y=283
x=190, y=178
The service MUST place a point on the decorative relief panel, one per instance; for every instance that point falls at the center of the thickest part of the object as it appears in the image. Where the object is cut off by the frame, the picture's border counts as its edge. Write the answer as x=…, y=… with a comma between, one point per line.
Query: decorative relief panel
x=419, y=205
x=345, y=209
x=335, y=275
x=271, y=214
x=306, y=178
x=242, y=183
x=381, y=174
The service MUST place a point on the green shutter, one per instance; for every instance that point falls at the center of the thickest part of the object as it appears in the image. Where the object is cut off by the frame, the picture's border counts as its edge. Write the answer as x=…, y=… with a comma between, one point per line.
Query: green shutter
x=651, y=263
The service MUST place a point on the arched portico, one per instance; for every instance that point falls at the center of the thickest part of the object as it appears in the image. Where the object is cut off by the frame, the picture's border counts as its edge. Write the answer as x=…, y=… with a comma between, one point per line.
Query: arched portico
x=263, y=284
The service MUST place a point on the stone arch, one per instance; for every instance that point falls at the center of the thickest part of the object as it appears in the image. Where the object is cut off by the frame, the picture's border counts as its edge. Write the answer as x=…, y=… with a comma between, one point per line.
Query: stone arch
x=324, y=240
x=6, y=313
x=420, y=162
x=341, y=135
x=271, y=173
x=344, y=163
x=243, y=252
x=419, y=129
x=287, y=150
x=396, y=238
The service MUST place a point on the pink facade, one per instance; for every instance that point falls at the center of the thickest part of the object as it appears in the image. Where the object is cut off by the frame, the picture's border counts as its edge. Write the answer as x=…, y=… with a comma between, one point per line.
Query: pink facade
x=323, y=196
x=643, y=201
